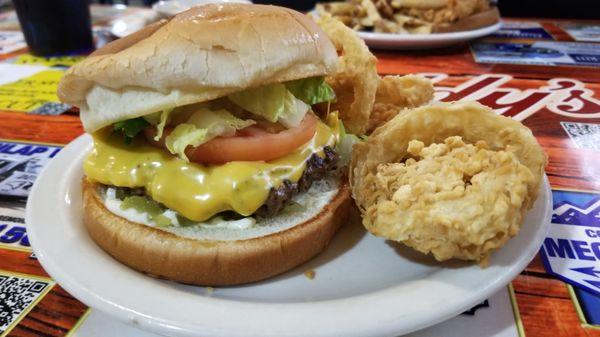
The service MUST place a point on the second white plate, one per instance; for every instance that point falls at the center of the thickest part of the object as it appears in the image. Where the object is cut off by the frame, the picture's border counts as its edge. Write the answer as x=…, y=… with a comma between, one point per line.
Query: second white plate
x=364, y=286
x=424, y=41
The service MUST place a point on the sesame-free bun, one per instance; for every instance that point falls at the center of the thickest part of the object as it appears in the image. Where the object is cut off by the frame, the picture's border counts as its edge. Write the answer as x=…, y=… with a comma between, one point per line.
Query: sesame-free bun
x=211, y=262
x=198, y=55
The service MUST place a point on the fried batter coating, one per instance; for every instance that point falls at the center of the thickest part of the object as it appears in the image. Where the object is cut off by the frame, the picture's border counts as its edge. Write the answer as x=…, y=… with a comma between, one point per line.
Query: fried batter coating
x=382, y=112
x=465, y=191
x=356, y=80
x=396, y=93
x=453, y=180
x=407, y=91
x=364, y=100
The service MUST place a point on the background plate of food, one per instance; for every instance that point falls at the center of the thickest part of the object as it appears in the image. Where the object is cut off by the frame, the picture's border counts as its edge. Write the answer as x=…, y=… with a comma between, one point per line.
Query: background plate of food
x=413, y=24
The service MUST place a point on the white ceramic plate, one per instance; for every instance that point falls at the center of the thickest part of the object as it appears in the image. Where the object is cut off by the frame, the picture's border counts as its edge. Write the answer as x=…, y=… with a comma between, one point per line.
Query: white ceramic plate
x=364, y=286
x=171, y=7
x=424, y=41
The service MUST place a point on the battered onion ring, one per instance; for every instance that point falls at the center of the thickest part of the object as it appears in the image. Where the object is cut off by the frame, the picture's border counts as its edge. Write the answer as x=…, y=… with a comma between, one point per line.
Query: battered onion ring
x=364, y=100
x=395, y=93
x=356, y=80
x=446, y=234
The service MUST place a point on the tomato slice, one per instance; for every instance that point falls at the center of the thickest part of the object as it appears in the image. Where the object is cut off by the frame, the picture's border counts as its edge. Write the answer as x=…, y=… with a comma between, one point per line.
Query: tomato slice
x=253, y=143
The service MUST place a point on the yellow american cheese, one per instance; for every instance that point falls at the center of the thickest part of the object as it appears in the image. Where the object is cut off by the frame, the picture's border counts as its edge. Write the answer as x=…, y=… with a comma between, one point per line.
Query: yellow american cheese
x=195, y=191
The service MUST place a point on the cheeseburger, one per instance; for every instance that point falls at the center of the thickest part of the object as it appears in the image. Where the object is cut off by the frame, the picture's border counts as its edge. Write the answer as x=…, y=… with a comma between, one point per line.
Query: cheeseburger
x=209, y=165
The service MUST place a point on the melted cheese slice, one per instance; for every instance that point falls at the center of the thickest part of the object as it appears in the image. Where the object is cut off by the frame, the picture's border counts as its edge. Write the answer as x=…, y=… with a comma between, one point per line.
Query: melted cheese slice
x=197, y=192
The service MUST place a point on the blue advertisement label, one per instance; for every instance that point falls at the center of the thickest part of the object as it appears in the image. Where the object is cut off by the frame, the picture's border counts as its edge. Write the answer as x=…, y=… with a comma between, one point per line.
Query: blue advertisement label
x=547, y=53
x=571, y=250
x=522, y=30
x=20, y=164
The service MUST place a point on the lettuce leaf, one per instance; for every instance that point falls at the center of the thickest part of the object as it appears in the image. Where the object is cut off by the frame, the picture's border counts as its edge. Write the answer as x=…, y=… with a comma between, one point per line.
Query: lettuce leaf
x=130, y=128
x=293, y=112
x=202, y=126
x=160, y=127
x=345, y=144
x=218, y=122
x=273, y=102
x=267, y=101
x=311, y=90
x=185, y=135
x=160, y=120
x=153, y=118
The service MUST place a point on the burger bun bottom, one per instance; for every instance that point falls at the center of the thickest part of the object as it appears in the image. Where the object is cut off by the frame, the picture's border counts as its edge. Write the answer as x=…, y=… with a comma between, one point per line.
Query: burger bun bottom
x=205, y=262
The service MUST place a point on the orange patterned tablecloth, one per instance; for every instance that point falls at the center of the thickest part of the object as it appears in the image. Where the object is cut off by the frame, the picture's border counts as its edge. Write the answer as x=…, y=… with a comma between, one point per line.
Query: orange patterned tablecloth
x=561, y=105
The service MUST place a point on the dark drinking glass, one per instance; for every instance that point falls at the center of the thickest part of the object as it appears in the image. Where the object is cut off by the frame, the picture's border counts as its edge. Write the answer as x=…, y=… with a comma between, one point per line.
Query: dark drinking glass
x=299, y=5
x=56, y=27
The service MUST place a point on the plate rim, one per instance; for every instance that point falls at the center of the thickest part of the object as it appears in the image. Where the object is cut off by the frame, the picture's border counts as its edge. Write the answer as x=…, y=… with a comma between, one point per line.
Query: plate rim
x=434, y=37
x=161, y=325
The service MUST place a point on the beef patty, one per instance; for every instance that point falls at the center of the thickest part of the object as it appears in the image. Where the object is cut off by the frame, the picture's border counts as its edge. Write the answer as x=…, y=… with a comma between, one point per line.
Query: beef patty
x=316, y=168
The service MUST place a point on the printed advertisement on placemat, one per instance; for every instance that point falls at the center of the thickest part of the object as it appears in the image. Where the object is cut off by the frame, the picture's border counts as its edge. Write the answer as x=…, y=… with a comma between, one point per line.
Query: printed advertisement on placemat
x=20, y=164
x=571, y=250
x=546, y=53
x=522, y=30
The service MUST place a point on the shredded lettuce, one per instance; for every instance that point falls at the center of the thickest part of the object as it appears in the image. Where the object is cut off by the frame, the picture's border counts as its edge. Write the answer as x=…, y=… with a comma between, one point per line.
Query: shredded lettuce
x=345, y=143
x=160, y=120
x=293, y=112
x=185, y=135
x=130, y=128
x=311, y=90
x=218, y=122
x=267, y=101
x=202, y=126
x=273, y=102
x=286, y=103
x=160, y=127
x=153, y=118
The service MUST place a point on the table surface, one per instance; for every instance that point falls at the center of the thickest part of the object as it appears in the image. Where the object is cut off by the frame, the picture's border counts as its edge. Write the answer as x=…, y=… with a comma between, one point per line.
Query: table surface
x=545, y=303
